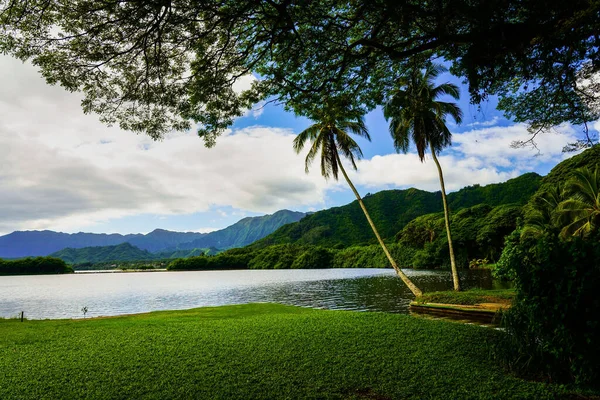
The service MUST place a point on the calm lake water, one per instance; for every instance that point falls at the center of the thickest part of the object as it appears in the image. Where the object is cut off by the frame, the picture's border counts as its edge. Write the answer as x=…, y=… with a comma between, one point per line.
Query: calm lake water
x=63, y=296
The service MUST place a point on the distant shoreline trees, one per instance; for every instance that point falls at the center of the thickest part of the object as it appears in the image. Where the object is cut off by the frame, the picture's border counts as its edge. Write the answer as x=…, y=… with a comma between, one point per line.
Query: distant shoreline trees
x=34, y=266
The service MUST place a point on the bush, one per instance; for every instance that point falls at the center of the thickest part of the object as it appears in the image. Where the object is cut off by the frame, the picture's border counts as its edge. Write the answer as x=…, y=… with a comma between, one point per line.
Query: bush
x=477, y=263
x=554, y=325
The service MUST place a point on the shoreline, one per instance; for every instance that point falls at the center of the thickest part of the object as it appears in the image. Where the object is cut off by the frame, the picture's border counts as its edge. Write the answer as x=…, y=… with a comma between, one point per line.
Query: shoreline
x=118, y=271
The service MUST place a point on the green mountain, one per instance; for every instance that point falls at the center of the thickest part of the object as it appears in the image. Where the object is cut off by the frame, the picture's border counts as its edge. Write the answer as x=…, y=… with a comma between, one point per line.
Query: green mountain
x=243, y=232
x=563, y=171
x=391, y=210
x=123, y=251
x=478, y=232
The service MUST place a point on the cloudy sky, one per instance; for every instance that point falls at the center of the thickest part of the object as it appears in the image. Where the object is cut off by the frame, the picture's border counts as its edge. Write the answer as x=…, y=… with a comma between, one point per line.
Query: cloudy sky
x=65, y=171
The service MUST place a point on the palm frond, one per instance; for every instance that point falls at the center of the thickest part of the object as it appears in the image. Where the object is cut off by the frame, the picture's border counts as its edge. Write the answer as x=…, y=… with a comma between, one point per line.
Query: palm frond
x=449, y=89
x=414, y=114
x=312, y=153
x=451, y=109
x=431, y=72
x=309, y=133
x=356, y=127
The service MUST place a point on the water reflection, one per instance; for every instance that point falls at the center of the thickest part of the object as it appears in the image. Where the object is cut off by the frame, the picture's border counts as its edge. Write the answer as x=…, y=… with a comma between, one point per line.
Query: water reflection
x=63, y=296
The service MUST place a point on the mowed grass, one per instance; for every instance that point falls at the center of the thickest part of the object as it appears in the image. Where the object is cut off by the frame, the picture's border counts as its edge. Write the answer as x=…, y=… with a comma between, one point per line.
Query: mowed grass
x=255, y=351
x=469, y=297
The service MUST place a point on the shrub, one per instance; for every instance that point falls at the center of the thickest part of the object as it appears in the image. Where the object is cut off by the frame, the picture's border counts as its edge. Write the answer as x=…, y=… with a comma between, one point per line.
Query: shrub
x=554, y=325
x=478, y=263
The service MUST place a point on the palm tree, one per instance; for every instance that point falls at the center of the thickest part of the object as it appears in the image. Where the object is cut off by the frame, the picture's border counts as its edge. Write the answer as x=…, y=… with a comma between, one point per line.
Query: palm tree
x=580, y=213
x=415, y=114
x=541, y=213
x=329, y=137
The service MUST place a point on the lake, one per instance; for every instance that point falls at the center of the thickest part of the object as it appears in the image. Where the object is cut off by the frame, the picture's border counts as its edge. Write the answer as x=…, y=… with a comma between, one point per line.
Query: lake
x=105, y=294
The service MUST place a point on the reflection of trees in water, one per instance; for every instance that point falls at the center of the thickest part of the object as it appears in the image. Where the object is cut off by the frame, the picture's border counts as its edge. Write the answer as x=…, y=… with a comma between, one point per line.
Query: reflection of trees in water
x=374, y=293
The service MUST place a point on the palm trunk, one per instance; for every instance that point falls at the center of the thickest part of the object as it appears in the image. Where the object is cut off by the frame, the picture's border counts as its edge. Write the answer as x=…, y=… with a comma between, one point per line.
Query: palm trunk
x=416, y=291
x=447, y=219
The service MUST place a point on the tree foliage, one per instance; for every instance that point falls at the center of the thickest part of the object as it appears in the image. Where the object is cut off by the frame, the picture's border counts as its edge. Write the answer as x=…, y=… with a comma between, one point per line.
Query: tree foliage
x=34, y=266
x=478, y=232
x=415, y=113
x=553, y=326
x=153, y=66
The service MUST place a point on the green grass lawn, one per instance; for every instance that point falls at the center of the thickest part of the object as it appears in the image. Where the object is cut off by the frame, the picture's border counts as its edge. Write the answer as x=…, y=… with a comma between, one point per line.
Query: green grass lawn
x=468, y=297
x=255, y=351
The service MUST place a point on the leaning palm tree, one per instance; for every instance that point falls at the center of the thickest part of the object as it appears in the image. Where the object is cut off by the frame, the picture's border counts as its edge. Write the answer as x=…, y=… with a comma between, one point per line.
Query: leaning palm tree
x=579, y=214
x=415, y=114
x=329, y=137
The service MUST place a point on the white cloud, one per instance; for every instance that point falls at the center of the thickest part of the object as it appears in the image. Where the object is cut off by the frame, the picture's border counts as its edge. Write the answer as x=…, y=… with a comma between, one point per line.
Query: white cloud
x=490, y=122
x=480, y=156
x=205, y=230
x=406, y=170
x=63, y=170
x=245, y=83
x=596, y=126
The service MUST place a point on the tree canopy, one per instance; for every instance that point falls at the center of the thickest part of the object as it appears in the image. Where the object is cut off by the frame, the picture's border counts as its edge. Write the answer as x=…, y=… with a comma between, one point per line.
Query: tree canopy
x=157, y=65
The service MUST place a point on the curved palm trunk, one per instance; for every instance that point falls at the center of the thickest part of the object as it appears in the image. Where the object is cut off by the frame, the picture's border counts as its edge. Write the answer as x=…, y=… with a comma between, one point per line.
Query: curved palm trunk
x=447, y=219
x=416, y=291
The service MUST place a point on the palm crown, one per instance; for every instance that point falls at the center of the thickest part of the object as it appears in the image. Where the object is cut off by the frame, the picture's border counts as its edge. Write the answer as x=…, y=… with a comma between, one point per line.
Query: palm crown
x=330, y=137
x=580, y=213
x=415, y=114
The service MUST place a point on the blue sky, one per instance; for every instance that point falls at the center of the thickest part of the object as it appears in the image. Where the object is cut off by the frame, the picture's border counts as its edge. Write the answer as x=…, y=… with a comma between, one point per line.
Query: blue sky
x=65, y=171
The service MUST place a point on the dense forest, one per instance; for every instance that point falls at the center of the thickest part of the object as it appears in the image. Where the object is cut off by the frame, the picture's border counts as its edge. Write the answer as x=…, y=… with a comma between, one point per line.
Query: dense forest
x=34, y=266
x=392, y=210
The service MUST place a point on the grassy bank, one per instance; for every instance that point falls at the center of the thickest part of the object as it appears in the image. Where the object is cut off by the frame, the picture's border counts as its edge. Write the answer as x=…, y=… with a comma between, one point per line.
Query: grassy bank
x=469, y=297
x=257, y=351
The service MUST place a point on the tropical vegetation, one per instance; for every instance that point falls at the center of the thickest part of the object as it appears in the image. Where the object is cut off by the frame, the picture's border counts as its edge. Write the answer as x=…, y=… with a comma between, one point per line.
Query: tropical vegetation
x=34, y=266
x=415, y=113
x=329, y=137
x=154, y=67
x=554, y=260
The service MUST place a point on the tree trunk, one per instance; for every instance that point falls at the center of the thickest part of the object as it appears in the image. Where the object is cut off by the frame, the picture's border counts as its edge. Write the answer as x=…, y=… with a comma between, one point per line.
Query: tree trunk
x=447, y=219
x=416, y=291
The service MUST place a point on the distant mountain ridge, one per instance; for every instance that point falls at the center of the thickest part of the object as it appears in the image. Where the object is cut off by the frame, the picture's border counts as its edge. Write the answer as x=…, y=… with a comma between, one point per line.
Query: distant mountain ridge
x=242, y=233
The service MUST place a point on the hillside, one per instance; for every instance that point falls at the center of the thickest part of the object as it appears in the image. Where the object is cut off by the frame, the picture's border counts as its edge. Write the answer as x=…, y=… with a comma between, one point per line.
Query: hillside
x=123, y=251
x=391, y=210
x=244, y=232
x=563, y=171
